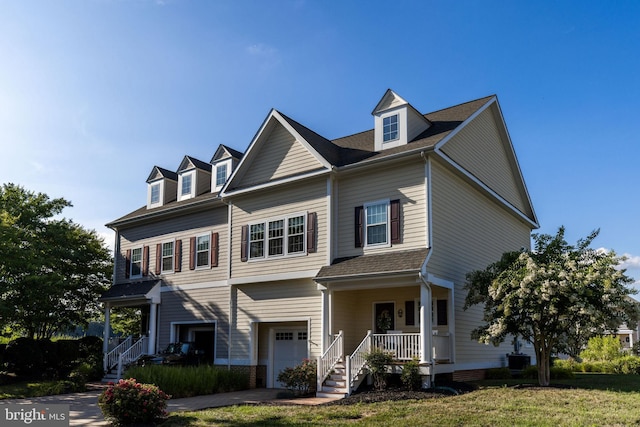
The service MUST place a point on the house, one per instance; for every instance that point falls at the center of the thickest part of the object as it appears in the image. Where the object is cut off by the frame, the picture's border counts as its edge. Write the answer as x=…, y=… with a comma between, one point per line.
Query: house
x=325, y=248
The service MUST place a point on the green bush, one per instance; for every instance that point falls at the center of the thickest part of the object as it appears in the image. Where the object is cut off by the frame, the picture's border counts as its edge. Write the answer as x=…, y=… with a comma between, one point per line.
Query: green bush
x=128, y=402
x=555, y=372
x=377, y=362
x=24, y=357
x=498, y=374
x=410, y=375
x=188, y=381
x=602, y=349
x=300, y=379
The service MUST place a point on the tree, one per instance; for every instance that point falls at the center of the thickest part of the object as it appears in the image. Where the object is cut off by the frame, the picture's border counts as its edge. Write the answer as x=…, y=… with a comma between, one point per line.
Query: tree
x=553, y=296
x=51, y=269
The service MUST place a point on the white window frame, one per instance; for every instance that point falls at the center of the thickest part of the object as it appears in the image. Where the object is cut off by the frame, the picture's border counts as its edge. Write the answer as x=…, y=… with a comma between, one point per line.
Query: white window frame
x=208, y=264
x=366, y=224
x=397, y=137
x=160, y=184
x=192, y=193
x=163, y=256
x=285, y=237
x=131, y=262
x=214, y=174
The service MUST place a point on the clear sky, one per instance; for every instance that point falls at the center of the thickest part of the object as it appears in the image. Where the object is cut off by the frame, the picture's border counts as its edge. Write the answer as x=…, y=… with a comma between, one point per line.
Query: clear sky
x=94, y=93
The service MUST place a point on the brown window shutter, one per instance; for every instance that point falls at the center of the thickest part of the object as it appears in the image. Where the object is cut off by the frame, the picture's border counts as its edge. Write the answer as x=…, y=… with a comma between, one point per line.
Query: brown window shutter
x=127, y=264
x=145, y=261
x=359, y=229
x=192, y=253
x=159, y=258
x=311, y=232
x=177, y=262
x=396, y=235
x=244, y=240
x=214, y=250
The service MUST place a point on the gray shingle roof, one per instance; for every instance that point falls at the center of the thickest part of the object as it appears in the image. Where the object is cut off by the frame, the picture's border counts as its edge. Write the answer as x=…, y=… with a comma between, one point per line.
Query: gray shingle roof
x=129, y=290
x=374, y=264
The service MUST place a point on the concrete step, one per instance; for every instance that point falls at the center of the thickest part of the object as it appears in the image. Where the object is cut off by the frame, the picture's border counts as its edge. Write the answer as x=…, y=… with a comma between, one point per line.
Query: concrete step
x=342, y=382
x=337, y=390
x=331, y=395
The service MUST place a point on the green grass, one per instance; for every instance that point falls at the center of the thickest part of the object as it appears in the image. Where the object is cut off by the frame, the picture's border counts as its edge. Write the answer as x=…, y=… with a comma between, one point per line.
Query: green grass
x=597, y=399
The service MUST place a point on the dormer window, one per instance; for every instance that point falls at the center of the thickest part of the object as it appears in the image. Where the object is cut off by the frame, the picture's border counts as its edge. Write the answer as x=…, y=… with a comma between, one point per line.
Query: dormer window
x=221, y=174
x=186, y=185
x=390, y=128
x=155, y=194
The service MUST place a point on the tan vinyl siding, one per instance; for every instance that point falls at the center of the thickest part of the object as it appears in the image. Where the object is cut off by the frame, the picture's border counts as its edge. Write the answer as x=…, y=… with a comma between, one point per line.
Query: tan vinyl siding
x=415, y=124
x=195, y=305
x=353, y=312
x=203, y=182
x=263, y=337
x=470, y=231
x=482, y=149
x=276, y=302
x=309, y=196
x=170, y=191
x=405, y=182
x=181, y=228
x=279, y=156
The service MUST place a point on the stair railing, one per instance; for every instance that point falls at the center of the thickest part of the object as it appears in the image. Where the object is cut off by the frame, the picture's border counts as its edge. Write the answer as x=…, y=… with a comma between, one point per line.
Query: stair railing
x=330, y=358
x=132, y=354
x=356, y=362
x=111, y=358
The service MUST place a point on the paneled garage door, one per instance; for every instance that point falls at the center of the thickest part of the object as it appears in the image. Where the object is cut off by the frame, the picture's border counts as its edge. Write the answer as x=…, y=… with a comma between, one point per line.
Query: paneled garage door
x=289, y=349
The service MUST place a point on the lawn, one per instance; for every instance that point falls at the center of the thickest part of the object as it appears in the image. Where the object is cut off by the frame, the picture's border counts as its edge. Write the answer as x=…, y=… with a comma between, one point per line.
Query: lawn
x=594, y=399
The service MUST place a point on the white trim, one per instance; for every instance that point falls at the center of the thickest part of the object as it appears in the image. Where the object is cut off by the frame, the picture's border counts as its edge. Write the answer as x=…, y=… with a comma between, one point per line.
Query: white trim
x=274, y=183
x=271, y=348
x=307, y=274
x=428, y=198
x=228, y=162
x=160, y=202
x=192, y=193
x=192, y=286
x=329, y=222
x=131, y=275
x=195, y=252
x=440, y=282
x=366, y=245
x=173, y=256
x=285, y=237
x=373, y=314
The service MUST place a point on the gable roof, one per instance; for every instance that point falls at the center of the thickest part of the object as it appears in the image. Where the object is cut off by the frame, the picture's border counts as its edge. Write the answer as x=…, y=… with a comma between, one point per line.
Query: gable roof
x=134, y=290
x=158, y=172
x=222, y=150
x=189, y=161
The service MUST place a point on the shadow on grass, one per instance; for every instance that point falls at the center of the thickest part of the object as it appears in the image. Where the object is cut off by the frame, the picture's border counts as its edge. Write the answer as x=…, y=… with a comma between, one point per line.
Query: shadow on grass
x=586, y=381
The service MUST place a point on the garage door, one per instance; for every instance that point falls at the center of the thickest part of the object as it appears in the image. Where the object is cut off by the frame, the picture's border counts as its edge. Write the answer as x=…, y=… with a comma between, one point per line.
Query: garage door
x=289, y=349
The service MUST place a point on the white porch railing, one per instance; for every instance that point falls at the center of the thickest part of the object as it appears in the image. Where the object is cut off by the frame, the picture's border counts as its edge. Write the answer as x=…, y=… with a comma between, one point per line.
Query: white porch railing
x=355, y=363
x=330, y=358
x=133, y=353
x=401, y=346
x=111, y=358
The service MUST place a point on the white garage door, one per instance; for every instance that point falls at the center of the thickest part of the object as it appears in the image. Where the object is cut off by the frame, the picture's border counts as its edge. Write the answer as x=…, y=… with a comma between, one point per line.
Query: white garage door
x=289, y=349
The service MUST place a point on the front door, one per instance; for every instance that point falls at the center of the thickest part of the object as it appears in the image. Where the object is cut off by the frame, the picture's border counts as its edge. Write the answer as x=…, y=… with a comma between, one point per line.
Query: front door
x=289, y=349
x=384, y=319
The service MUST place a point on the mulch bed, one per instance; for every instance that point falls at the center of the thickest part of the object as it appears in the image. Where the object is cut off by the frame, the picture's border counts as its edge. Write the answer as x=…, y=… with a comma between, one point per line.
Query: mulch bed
x=369, y=395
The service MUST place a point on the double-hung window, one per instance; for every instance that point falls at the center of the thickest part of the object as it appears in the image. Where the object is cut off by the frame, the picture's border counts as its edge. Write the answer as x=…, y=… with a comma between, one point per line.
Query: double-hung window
x=378, y=224
x=186, y=185
x=202, y=251
x=167, y=257
x=155, y=194
x=376, y=216
x=136, y=262
x=278, y=237
x=221, y=174
x=390, y=128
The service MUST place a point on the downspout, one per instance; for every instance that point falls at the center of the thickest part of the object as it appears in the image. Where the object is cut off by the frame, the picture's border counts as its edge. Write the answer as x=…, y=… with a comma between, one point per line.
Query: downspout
x=423, y=273
x=229, y=340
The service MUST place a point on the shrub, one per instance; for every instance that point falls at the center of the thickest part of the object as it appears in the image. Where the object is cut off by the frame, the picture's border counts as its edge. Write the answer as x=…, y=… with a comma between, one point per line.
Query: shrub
x=24, y=357
x=556, y=373
x=187, y=381
x=377, y=361
x=130, y=402
x=300, y=379
x=410, y=376
x=499, y=374
x=602, y=349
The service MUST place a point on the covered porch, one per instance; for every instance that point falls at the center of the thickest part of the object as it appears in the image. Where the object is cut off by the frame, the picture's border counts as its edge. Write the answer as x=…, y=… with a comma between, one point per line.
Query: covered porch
x=386, y=302
x=146, y=296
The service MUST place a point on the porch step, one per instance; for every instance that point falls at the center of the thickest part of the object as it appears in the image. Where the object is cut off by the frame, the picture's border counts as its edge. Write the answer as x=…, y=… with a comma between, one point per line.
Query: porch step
x=331, y=395
x=110, y=377
x=335, y=386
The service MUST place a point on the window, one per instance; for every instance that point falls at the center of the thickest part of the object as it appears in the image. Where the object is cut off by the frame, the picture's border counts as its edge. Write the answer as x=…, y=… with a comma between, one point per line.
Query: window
x=378, y=224
x=202, y=251
x=390, y=128
x=136, y=262
x=221, y=174
x=376, y=216
x=186, y=185
x=155, y=194
x=441, y=312
x=167, y=257
x=280, y=237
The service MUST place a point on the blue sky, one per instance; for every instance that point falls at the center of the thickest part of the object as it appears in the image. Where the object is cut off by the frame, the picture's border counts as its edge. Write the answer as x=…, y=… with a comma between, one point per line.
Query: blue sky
x=94, y=93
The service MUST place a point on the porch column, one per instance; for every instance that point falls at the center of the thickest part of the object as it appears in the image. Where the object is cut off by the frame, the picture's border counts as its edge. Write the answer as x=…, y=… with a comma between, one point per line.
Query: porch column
x=107, y=327
x=153, y=310
x=326, y=317
x=426, y=351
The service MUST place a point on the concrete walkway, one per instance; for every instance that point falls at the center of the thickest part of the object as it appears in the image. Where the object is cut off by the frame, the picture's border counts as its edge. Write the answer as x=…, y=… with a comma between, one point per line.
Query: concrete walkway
x=84, y=410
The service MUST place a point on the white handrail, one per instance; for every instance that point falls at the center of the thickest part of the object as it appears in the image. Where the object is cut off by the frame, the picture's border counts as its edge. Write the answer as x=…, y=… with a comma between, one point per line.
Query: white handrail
x=357, y=361
x=111, y=358
x=330, y=358
x=131, y=354
x=401, y=346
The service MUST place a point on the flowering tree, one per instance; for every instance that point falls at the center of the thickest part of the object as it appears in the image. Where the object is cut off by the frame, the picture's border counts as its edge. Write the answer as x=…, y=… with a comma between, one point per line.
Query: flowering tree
x=553, y=297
